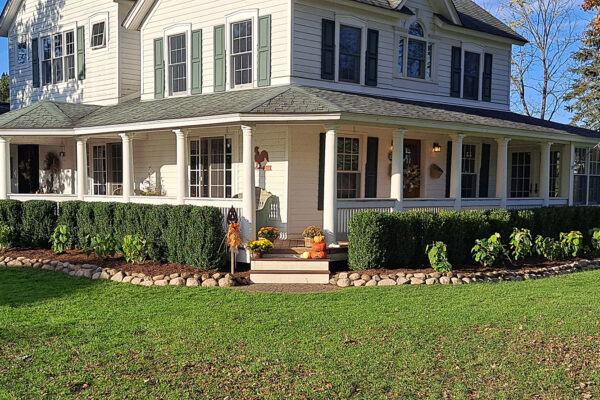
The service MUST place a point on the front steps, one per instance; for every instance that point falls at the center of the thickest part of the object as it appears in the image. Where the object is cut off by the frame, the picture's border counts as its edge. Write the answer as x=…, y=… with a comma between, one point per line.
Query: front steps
x=289, y=270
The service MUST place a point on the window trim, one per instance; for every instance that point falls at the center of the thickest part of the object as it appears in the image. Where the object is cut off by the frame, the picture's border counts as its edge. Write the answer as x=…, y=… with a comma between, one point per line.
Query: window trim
x=234, y=160
x=50, y=33
x=402, y=34
x=354, y=23
x=240, y=16
x=360, y=170
x=472, y=48
x=587, y=173
x=168, y=32
x=94, y=19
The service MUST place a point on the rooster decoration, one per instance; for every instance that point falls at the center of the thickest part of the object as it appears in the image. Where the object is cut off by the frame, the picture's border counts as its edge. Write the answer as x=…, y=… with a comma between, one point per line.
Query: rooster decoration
x=260, y=158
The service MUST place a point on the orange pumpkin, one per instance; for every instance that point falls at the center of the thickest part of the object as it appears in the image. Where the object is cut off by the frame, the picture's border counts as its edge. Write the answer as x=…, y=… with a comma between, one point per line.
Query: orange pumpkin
x=317, y=255
x=318, y=247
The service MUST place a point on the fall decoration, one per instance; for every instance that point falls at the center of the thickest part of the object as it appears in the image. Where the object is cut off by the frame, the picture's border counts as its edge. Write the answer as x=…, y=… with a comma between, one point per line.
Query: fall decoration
x=268, y=232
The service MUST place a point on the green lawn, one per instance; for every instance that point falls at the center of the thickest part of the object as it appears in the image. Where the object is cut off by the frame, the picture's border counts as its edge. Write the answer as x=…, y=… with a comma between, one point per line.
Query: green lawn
x=64, y=337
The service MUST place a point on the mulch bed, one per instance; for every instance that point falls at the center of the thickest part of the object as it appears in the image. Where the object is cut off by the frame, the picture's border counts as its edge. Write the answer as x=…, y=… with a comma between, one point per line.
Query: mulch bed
x=148, y=267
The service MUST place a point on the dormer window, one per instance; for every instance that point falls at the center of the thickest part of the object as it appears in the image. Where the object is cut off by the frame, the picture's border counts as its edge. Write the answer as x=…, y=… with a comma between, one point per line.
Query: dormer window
x=177, y=64
x=350, y=51
x=415, y=54
x=241, y=52
x=98, y=38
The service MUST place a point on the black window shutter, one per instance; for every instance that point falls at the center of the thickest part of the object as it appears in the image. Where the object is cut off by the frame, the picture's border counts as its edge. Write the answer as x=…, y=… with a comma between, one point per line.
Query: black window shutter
x=371, y=168
x=484, y=171
x=456, y=73
x=328, y=49
x=486, y=95
x=448, y=167
x=372, y=57
x=320, y=193
x=35, y=63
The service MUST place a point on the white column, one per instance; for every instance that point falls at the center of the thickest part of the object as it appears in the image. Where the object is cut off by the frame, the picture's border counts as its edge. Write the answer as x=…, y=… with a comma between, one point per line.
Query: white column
x=397, y=179
x=127, y=139
x=82, y=182
x=4, y=167
x=248, y=185
x=502, y=171
x=571, y=171
x=456, y=177
x=181, y=165
x=330, y=186
x=545, y=173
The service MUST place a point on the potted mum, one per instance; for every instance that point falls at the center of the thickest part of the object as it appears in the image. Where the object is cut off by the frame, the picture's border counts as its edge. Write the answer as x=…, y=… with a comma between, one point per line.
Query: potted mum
x=309, y=233
x=269, y=233
x=260, y=247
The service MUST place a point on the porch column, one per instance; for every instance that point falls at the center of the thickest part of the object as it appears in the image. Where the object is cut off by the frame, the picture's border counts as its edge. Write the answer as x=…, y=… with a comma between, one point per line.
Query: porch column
x=502, y=171
x=545, y=173
x=126, y=139
x=248, y=185
x=397, y=179
x=82, y=183
x=456, y=178
x=181, y=165
x=4, y=167
x=330, y=186
x=571, y=172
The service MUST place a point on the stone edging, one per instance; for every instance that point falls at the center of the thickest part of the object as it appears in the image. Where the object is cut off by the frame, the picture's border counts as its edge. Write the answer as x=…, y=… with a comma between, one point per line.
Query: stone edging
x=345, y=279
x=91, y=271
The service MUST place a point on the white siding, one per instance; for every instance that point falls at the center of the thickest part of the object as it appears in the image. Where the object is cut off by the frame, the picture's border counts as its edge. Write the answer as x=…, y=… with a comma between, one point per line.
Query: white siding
x=129, y=56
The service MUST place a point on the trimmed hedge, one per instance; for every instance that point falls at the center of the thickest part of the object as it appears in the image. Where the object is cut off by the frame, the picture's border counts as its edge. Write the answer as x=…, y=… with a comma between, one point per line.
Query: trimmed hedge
x=394, y=240
x=178, y=234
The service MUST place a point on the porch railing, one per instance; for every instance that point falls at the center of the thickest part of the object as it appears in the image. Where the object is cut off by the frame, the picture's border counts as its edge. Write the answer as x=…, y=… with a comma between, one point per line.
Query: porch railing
x=348, y=207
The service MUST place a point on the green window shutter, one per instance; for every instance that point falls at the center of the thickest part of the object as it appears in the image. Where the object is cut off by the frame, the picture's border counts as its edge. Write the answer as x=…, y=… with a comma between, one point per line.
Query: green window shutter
x=219, y=58
x=81, y=53
x=159, y=69
x=197, y=62
x=486, y=94
x=456, y=73
x=372, y=57
x=264, y=50
x=35, y=63
x=327, y=49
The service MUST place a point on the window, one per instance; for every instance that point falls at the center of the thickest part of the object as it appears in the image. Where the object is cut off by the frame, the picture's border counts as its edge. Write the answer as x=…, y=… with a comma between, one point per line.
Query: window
x=211, y=168
x=521, y=174
x=98, y=38
x=415, y=54
x=58, y=57
x=241, y=52
x=115, y=157
x=177, y=64
x=554, y=173
x=471, y=75
x=22, y=52
x=348, y=176
x=350, y=54
x=107, y=169
x=70, y=55
x=587, y=176
x=47, y=60
x=99, y=165
x=469, y=174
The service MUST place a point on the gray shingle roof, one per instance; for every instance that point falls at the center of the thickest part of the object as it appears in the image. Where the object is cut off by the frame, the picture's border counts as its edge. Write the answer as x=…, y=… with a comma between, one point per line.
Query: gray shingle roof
x=272, y=100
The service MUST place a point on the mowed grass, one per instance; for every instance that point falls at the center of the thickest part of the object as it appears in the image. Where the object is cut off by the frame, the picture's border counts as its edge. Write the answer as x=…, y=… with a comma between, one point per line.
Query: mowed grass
x=63, y=337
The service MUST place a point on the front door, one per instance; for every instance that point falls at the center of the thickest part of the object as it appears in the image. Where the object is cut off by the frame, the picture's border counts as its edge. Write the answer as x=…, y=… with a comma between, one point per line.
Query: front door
x=412, y=168
x=28, y=168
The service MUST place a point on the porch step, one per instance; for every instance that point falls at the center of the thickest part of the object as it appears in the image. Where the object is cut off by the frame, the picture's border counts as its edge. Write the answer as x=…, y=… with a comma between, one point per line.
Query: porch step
x=289, y=270
x=291, y=277
x=289, y=264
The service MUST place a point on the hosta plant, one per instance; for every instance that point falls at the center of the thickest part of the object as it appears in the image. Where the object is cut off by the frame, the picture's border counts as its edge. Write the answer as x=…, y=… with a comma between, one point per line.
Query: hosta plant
x=571, y=243
x=60, y=239
x=103, y=246
x=438, y=257
x=4, y=236
x=488, y=251
x=134, y=248
x=596, y=240
x=521, y=244
x=548, y=247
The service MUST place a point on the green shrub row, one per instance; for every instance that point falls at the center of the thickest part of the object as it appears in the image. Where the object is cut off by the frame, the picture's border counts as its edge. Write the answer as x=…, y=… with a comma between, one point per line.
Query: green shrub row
x=393, y=240
x=177, y=234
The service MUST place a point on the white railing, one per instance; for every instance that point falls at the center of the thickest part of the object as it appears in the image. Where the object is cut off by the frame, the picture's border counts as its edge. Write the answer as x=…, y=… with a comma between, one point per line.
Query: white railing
x=348, y=207
x=523, y=203
x=480, y=204
x=435, y=205
x=559, y=201
x=53, y=197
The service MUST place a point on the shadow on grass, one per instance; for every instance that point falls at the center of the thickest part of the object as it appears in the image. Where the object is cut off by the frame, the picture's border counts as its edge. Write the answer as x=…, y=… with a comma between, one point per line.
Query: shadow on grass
x=21, y=286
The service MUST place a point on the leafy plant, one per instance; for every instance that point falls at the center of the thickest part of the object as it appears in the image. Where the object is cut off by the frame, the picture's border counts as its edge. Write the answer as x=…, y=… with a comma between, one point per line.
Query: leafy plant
x=60, y=239
x=521, y=243
x=595, y=233
x=548, y=247
x=102, y=245
x=571, y=243
x=134, y=248
x=438, y=257
x=4, y=236
x=488, y=251
x=260, y=246
x=269, y=233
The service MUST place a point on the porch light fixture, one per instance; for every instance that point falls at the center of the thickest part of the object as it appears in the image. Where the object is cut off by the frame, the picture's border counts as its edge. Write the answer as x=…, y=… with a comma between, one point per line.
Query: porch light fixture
x=437, y=148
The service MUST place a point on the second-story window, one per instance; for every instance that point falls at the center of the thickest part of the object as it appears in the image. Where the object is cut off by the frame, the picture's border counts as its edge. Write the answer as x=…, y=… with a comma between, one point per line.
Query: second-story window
x=241, y=52
x=415, y=54
x=47, y=60
x=98, y=38
x=177, y=64
x=70, y=55
x=471, y=75
x=350, y=54
x=58, y=57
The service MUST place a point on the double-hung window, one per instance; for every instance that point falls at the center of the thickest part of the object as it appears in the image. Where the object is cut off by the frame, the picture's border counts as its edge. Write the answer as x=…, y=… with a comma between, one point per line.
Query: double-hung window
x=520, y=174
x=70, y=55
x=99, y=166
x=47, y=60
x=177, y=64
x=415, y=54
x=98, y=37
x=58, y=57
x=469, y=172
x=241, y=52
x=554, y=173
x=350, y=54
x=211, y=167
x=587, y=176
x=348, y=175
x=471, y=72
x=107, y=169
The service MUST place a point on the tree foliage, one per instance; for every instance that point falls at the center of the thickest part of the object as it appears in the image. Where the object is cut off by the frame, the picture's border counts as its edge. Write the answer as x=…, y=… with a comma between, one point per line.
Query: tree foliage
x=589, y=5
x=4, y=88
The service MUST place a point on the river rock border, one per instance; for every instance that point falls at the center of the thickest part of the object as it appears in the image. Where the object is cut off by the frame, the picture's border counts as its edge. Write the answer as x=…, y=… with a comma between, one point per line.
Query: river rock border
x=91, y=271
x=345, y=279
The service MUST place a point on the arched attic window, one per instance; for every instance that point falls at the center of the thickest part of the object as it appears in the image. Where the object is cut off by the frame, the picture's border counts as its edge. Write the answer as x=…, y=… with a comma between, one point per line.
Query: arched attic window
x=415, y=53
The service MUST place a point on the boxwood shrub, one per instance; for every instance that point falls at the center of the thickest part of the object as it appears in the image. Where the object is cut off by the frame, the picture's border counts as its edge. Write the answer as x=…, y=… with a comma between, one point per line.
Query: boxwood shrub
x=394, y=240
x=178, y=234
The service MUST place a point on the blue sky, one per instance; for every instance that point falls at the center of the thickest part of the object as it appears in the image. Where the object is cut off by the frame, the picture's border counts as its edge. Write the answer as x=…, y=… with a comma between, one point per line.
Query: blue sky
x=491, y=5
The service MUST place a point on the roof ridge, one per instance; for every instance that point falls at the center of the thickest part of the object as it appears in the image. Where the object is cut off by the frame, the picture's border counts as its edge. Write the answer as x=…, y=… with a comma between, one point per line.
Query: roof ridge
x=268, y=97
x=322, y=100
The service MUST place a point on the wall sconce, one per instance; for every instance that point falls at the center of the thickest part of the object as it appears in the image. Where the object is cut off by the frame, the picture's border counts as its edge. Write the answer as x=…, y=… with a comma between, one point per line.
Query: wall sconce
x=62, y=154
x=437, y=148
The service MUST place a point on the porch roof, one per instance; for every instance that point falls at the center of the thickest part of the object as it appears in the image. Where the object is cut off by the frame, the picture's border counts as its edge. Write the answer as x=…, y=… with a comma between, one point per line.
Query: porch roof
x=281, y=100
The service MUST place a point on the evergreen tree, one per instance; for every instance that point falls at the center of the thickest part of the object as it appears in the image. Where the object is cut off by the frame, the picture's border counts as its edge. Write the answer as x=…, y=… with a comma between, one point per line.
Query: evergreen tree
x=585, y=90
x=4, y=89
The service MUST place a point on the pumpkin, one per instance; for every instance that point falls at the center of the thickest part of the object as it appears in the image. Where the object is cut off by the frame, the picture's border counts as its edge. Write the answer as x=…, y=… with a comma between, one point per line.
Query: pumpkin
x=319, y=239
x=318, y=246
x=317, y=255
x=305, y=255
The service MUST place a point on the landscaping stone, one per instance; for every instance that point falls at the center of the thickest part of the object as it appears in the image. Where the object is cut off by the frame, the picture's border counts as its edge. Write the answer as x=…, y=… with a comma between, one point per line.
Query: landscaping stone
x=359, y=282
x=354, y=277
x=14, y=263
x=205, y=277
x=118, y=277
x=444, y=280
x=342, y=275
x=136, y=281
x=210, y=283
x=225, y=282
x=420, y=275
x=185, y=275
x=386, y=282
x=456, y=281
x=96, y=275
x=333, y=281
x=162, y=282
x=192, y=282
x=372, y=282
x=416, y=281
x=217, y=276
x=158, y=278
x=104, y=275
x=365, y=277
x=343, y=282
x=177, y=282
x=173, y=276
x=431, y=281
x=402, y=281
x=147, y=283
x=127, y=279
